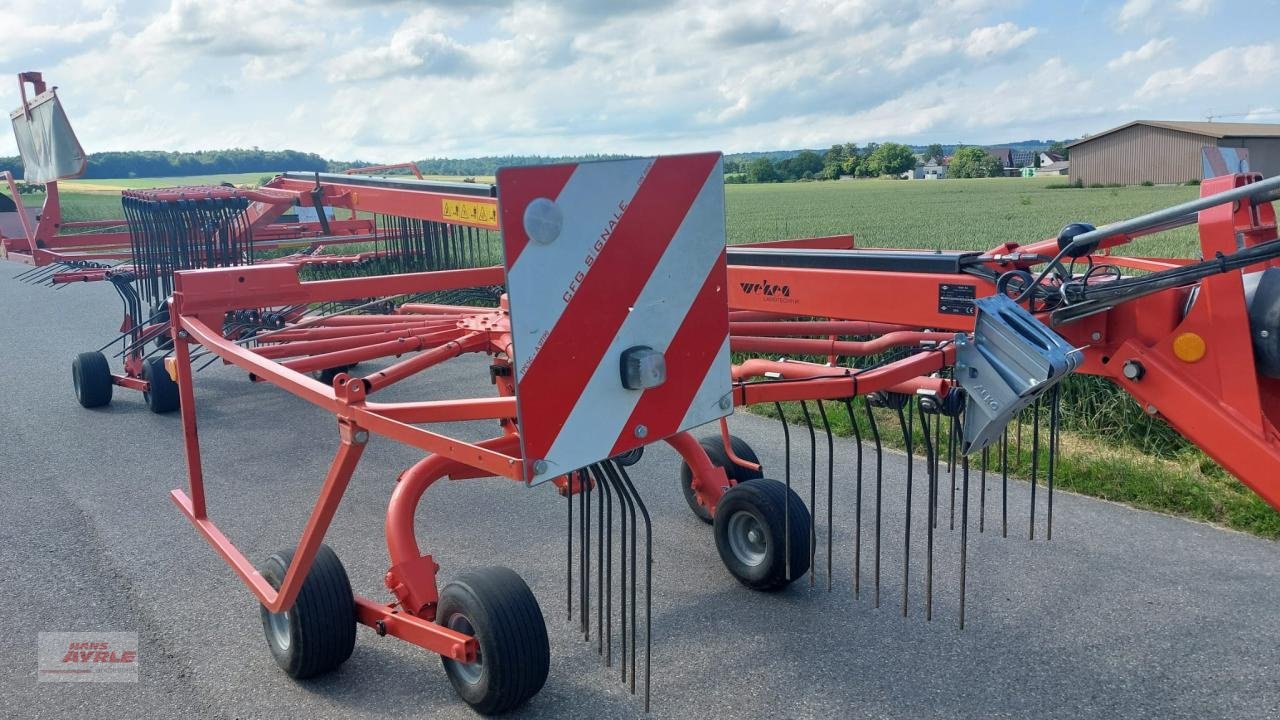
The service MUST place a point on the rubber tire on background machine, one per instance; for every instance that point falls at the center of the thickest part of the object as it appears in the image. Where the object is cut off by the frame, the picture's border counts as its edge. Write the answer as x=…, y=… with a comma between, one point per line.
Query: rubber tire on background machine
x=327, y=375
x=161, y=394
x=318, y=633
x=495, y=606
x=750, y=530
x=91, y=378
x=714, y=446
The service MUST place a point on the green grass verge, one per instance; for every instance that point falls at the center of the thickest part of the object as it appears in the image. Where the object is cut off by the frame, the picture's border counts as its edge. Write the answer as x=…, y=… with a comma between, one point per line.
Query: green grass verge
x=1187, y=483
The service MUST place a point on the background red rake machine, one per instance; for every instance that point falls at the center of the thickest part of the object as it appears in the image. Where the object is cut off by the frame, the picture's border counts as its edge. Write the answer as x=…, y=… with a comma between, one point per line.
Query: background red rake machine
x=963, y=340
x=603, y=345
x=394, y=225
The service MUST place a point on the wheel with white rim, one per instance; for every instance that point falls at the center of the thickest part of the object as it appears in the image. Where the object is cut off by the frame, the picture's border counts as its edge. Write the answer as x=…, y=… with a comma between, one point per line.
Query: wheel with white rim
x=762, y=533
x=318, y=633
x=497, y=608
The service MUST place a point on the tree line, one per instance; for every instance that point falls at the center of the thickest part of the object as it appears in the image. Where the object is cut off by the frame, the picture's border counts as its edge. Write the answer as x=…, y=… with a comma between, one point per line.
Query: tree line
x=871, y=160
x=847, y=159
x=154, y=163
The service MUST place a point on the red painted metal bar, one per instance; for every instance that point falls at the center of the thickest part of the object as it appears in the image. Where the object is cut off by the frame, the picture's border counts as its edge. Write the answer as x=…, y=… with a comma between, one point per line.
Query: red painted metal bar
x=417, y=204
x=319, y=394
x=403, y=369
x=439, y=411
x=709, y=480
x=335, y=484
x=421, y=632
x=366, y=352
x=356, y=342
x=808, y=346
x=841, y=385
x=814, y=327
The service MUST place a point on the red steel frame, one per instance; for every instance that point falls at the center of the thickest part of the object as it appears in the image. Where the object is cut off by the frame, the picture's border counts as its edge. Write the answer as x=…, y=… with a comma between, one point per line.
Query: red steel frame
x=1218, y=401
x=199, y=302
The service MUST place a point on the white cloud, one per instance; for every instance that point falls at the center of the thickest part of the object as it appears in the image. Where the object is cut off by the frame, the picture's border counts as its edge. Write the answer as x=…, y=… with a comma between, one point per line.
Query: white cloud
x=28, y=26
x=1148, y=51
x=1195, y=7
x=985, y=42
x=417, y=47
x=1250, y=67
x=1151, y=12
x=391, y=80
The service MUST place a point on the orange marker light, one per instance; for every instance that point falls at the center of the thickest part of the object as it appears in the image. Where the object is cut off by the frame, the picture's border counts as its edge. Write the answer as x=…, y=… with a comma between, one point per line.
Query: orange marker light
x=1189, y=347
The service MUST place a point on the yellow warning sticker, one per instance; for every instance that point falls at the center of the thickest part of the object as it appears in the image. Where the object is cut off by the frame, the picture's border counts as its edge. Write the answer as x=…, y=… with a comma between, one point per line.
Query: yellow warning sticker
x=477, y=213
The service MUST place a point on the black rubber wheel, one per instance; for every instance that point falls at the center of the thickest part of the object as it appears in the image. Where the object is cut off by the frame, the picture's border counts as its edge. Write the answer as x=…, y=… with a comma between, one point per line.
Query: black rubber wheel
x=327, y=375
x=163, y=341
x=751, y=528
x=91, y=377
x=714, y=445
x=496, y=607
x=161, y=394
x=318, y=633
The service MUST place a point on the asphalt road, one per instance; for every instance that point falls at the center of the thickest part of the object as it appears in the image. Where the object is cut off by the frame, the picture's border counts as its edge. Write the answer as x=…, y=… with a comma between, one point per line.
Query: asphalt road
x=1124, y=614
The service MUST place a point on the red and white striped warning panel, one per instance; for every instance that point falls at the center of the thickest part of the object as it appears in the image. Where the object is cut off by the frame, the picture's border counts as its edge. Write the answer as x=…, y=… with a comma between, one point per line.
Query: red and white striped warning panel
x=619, y=315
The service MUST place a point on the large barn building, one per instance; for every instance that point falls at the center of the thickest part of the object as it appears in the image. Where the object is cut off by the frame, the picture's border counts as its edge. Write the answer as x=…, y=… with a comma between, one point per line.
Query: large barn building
x=1169, y=152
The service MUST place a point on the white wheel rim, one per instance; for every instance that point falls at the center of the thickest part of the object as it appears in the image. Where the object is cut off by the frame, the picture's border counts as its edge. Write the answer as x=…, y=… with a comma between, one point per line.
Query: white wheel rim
x=469, y=673
x=747, y=539
x=278, y=623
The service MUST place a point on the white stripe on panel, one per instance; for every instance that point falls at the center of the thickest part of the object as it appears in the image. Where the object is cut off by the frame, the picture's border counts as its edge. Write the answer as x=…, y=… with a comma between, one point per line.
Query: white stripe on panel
x=543, y=274
x=602, y=409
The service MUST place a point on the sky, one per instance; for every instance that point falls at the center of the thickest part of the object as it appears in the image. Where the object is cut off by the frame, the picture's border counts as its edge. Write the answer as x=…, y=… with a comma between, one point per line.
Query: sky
x=395, y=80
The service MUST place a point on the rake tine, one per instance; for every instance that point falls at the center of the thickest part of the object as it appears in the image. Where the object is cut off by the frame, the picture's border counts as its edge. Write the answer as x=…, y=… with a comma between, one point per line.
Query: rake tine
x=600, y=557
x=875, y=433
x=937, y=467
x=586, y=556
x=568, y=576
x=907, y=427
x=964, y=535
x=1055, y=434
x=648, y=589
x=26, y=272
x=932, y=510
x=1035, y=466
x=624, y=499
x=982, y=506
x=608, y=574
x=857, y=522
x=813, y=487
x=1004, y=483
x=786, y=501
x=831, y=449
x=951, y=464
x=568, y=494
x=1018, y=452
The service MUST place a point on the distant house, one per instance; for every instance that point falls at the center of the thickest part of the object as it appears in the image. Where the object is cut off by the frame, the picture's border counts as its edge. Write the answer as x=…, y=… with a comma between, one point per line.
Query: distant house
x=1009, y=159
x=1170, y=152
x=1059, y=167
x=915, y=173
x=933, y=170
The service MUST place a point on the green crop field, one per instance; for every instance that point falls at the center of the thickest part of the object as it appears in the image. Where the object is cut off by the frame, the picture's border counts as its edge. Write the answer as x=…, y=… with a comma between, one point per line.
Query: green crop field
x=944, y=214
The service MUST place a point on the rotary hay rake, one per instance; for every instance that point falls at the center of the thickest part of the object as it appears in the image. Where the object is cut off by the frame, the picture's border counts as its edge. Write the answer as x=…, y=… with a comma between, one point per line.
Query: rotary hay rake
x=170, y=229
x=620, y=311
x=622, y=306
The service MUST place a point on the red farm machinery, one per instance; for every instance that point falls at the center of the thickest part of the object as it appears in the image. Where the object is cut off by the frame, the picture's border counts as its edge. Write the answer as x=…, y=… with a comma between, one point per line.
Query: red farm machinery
x=614, y=317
